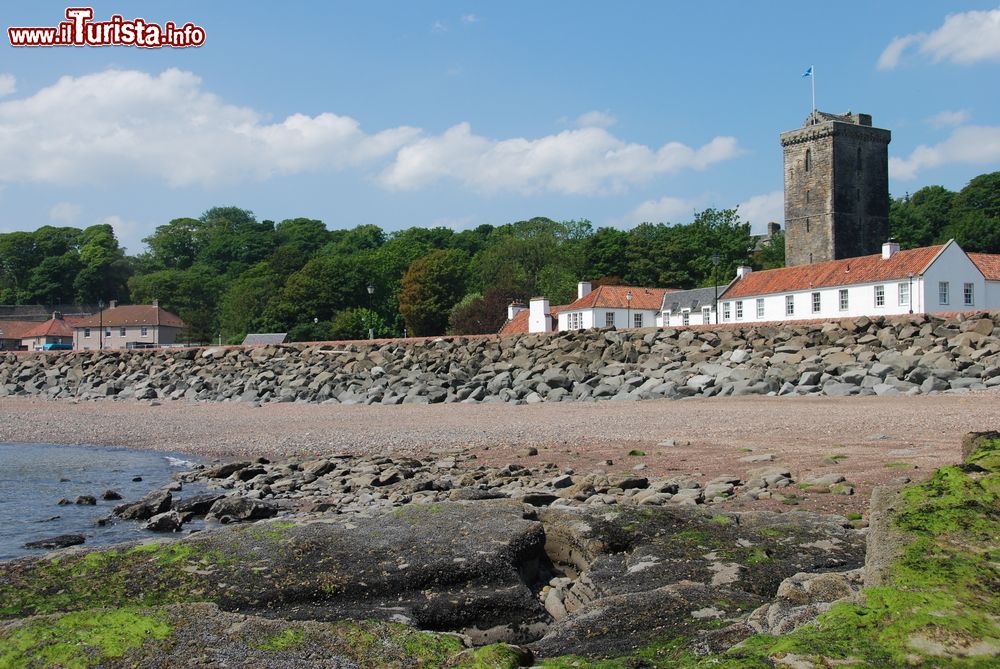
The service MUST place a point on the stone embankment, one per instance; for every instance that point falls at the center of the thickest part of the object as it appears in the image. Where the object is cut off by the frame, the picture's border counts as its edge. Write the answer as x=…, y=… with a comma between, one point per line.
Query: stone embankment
x=920, y=354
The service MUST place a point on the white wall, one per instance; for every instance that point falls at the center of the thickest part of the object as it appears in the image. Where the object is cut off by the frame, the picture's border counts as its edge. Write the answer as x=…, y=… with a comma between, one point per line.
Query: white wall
x=951, y=265
x=676, y=318
x=993, y=294
x=597, y=318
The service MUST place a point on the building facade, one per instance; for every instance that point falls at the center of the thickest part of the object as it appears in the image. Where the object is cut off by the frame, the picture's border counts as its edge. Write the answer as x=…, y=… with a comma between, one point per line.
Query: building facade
x=127, y=327
x=836, y=188
x=689, y=307
x=931, y=279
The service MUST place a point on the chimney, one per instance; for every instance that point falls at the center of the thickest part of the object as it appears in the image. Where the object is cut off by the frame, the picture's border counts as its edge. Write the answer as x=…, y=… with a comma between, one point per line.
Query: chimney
x=583, y=289
x=156, y=303
x=56, y=316
x=889, y=249
x=112, y=304
x=514, y=308
x=742, y=271
x=539, y=315
x=773, y=229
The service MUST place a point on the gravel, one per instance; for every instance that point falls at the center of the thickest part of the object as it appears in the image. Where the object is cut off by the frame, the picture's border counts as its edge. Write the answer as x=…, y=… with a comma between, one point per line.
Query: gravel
x=701, y=438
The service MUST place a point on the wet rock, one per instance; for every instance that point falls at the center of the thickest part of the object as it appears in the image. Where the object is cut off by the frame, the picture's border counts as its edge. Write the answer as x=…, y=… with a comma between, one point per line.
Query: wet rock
x=86, y=500
x=146, y=508
x=61, y=541
x=111, y=495
x=170, y=521
x=239, y=509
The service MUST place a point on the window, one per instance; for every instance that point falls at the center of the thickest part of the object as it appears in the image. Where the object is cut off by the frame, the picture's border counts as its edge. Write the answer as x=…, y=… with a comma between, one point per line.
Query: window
x=573, y=320
x=968, y=295
x=904, y=294
x=609, y=319
x=943, y=292
x=686, y=318
x=143, y=331
x=808, y=159
x=807, y=196
x=739, y=310
x=706, y=315
x=807, y=225
x=879, y=296
x=725, y=311
x=843, y=299
x=637, y=320
x=789, y=305
x=86, y=333
x=107, y=331
x=121, y=332
x=810, y=258
x=815, y=301
x=857, y=164
x=760, y=307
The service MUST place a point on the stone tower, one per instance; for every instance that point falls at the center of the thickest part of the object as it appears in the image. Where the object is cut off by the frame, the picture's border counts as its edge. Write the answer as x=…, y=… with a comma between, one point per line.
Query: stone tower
x=836, y=188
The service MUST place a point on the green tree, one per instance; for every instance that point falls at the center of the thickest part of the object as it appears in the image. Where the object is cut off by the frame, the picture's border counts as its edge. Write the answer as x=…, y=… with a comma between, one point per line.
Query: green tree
x=104, y=270
x=173, y=246
x=429, y=289
x=479, y=314
x=354, y=324
x=243, y=306
x=192, y=294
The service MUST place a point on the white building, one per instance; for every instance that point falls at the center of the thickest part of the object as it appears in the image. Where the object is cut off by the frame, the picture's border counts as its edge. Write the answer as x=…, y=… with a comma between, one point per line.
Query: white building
x=601, y=307
x=689, y=307
x=925, y=280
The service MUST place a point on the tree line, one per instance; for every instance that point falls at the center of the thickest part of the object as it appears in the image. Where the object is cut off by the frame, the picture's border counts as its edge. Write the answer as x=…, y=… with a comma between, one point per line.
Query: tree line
x=226, y=273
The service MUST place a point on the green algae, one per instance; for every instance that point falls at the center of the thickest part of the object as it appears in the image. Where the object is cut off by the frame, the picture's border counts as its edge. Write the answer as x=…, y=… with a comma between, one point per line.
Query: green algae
x=78, y=640
x=284, y=640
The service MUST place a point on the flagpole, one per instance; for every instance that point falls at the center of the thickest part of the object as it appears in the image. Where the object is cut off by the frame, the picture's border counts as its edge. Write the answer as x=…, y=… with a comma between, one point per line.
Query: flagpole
x=812, y=80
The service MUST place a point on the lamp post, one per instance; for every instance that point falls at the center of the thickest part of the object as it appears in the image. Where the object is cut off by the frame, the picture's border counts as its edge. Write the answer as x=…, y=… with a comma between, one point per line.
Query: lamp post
x=909, y=293
x=628, y=308
x=371, y=328
x=100, y=333
x=715, y=281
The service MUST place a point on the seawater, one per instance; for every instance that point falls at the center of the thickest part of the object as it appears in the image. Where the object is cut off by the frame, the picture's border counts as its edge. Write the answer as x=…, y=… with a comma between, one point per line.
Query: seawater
x=34, y=477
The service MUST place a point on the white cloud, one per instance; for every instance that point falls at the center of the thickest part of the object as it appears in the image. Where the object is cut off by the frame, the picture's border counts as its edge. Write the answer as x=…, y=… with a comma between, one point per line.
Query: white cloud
x=439, y=27
x=948, y=117
x=663, y=210
x=122, y=123
x=582, y=161
x=65, y=212
x=976, y=145
x=760, y=210
x=596, y=119
x=470, y=18
x=966, y=38
x=8, y=84
x=168, y=128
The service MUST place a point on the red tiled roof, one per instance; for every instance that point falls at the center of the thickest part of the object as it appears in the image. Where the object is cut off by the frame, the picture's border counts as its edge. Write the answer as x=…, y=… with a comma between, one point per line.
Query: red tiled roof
x=15, y=329
x=132, y=314
x=519, y=324
x=988, y=264
x=54, y=327
x=613, y=297
x=845, y=272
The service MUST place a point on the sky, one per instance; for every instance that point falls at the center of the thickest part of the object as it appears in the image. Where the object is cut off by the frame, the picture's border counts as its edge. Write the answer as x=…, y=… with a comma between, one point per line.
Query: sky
x=457, y=114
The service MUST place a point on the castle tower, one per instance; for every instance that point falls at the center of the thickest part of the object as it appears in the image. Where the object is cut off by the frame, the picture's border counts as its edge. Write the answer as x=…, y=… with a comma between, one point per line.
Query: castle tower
x=836, y=188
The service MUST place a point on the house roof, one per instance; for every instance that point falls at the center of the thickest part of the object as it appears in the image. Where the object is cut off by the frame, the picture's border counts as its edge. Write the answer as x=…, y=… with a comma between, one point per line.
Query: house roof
x=519, y=324
x=613, y=297
x=988, y=264
x=694, y=299
x=54, y=327
x=132, y=314
x=265, y=338
x=845, y=272
x=15, y=329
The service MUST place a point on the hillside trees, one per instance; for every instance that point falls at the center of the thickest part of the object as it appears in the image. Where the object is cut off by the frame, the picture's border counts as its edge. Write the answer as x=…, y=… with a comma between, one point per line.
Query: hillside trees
x=430, y=288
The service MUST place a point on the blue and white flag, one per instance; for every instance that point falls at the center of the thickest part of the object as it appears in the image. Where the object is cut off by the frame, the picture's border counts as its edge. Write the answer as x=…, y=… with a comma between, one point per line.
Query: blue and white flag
x=809, y=72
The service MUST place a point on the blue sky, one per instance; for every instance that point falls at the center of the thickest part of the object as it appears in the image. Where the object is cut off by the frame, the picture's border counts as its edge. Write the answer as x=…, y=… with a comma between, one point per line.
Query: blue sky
x=461, y=113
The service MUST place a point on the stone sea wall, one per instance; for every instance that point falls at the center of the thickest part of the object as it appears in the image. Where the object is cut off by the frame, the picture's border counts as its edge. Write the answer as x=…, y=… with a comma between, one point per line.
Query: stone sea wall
x=862, y=356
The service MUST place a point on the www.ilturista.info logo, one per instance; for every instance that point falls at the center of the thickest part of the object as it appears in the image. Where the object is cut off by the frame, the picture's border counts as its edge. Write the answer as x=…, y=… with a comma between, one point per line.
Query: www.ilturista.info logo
x=81, y=30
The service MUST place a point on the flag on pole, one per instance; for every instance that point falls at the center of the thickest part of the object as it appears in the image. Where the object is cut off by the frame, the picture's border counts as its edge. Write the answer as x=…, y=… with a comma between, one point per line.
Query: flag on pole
x=809, y=72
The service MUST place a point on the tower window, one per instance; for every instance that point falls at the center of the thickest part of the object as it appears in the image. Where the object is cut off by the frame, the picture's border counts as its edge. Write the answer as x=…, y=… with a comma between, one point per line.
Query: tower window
x=858, y=163
x=807, y=197
x=808, y=159
x=807, y=225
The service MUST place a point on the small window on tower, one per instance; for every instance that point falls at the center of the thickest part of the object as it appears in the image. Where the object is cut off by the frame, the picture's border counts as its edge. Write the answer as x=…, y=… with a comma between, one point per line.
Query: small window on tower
x=807, y=225
x=808, y=159
x=858, y=163
x=807, y=197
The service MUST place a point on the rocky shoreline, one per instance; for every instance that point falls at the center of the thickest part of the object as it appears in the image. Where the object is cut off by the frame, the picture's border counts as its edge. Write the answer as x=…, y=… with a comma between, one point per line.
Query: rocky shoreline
x=882, y=356
x=447, y=563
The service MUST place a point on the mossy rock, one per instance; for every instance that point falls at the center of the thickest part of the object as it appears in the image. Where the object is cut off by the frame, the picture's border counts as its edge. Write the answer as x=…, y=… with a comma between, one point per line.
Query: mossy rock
x=199, y=635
